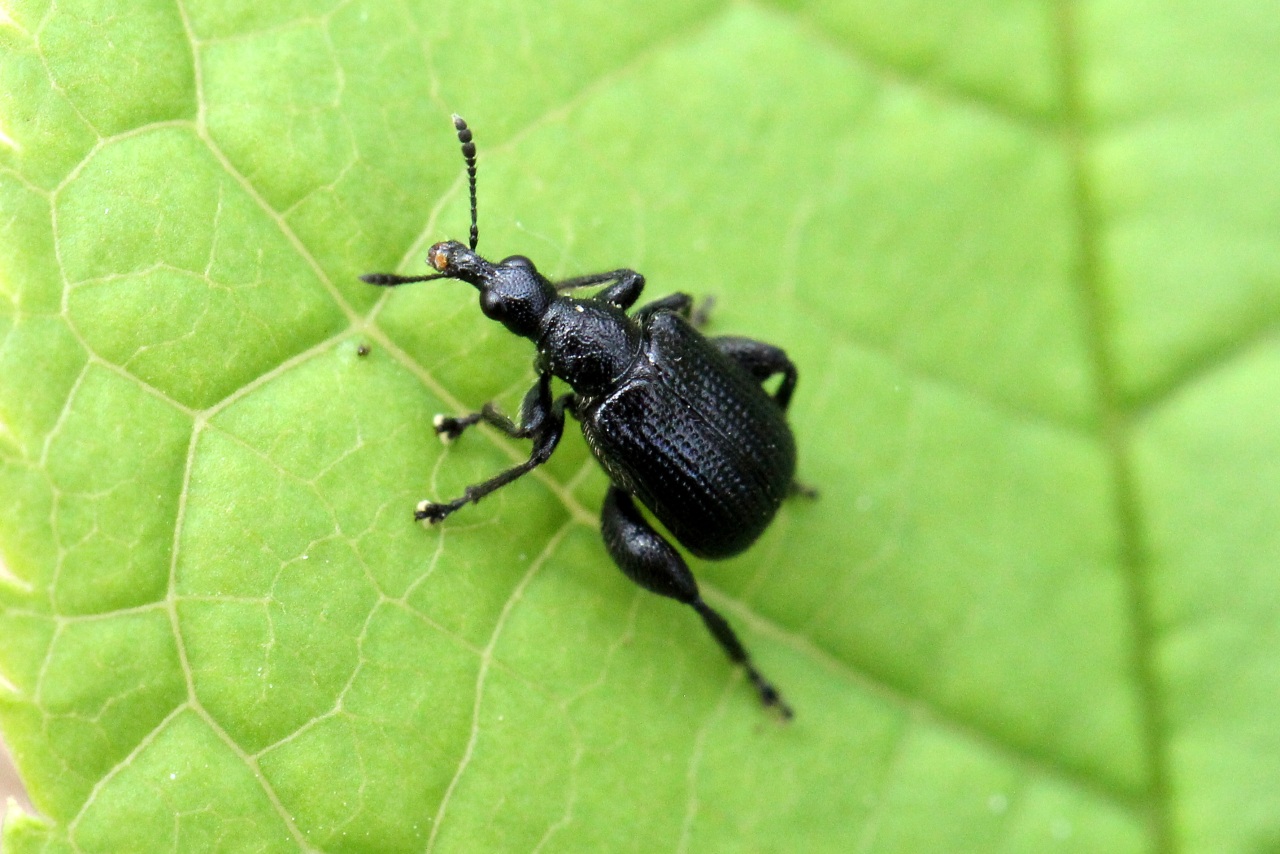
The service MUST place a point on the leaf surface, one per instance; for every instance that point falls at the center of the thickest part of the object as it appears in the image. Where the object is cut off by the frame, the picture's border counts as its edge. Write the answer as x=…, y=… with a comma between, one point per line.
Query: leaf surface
x=1024, y=254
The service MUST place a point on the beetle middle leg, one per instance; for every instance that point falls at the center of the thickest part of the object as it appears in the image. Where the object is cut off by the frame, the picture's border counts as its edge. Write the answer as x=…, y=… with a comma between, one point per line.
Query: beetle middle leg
x=681, y=304
x=541, y=420
x=761, y=361
x=625, y=290
x=651, y=562
x=677, y=303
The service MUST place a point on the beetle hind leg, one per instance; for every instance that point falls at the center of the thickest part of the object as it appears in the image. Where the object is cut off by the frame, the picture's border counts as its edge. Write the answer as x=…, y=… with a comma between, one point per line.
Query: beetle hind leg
x=727, y=639
x=651, y=562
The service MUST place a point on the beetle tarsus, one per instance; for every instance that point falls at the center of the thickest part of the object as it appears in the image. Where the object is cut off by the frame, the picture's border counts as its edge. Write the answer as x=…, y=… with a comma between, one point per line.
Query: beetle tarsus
x=700, y=314
x=803, y=490
x=770, y=695
x=432, y=513
x=728, y=639
x=449, y=428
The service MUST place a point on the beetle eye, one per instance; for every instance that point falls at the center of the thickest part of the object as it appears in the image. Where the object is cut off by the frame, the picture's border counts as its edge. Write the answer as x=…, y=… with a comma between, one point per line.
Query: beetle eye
x=493, y=305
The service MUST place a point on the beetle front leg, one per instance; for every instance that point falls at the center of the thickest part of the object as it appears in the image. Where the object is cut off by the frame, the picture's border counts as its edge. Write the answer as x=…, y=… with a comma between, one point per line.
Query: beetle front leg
x=536, y=403
x=543, y=422
x=651, y=562
x=625, y=290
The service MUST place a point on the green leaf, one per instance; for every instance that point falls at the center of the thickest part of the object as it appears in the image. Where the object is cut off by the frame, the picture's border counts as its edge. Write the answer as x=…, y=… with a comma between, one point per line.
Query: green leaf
x=1024, y=253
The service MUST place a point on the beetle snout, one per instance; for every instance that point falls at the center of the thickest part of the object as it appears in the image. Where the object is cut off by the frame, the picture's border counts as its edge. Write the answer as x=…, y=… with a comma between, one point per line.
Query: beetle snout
x=439, y=254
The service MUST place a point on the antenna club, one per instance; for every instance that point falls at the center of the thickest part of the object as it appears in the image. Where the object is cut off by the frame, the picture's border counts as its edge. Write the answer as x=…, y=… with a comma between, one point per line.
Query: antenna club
x=469, y=155
x=465, y=137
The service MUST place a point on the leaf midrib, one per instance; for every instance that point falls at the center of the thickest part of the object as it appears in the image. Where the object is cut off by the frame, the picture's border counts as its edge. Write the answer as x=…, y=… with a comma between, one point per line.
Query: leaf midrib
x=1116, y=427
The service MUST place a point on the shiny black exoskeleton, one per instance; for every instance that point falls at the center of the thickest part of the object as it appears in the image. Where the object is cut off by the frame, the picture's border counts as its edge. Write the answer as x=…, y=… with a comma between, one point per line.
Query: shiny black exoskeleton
x=677, y=420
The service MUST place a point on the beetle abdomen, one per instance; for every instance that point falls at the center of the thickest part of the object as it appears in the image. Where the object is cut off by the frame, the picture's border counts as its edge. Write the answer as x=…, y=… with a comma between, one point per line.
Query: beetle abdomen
x=696, y=439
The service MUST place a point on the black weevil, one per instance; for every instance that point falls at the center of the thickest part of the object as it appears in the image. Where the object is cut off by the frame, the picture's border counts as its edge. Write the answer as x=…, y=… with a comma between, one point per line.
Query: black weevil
x=679, y=421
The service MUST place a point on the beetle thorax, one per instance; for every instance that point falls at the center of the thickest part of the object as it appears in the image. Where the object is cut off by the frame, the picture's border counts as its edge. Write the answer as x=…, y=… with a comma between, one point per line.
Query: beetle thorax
x=587, y=344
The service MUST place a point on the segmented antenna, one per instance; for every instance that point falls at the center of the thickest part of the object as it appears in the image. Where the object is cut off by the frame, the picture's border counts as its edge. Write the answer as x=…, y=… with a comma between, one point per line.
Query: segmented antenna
x=469, y=154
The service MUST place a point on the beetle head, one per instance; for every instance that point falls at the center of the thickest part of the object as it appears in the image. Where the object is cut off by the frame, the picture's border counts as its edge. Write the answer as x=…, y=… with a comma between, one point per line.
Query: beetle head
x=512, y=291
